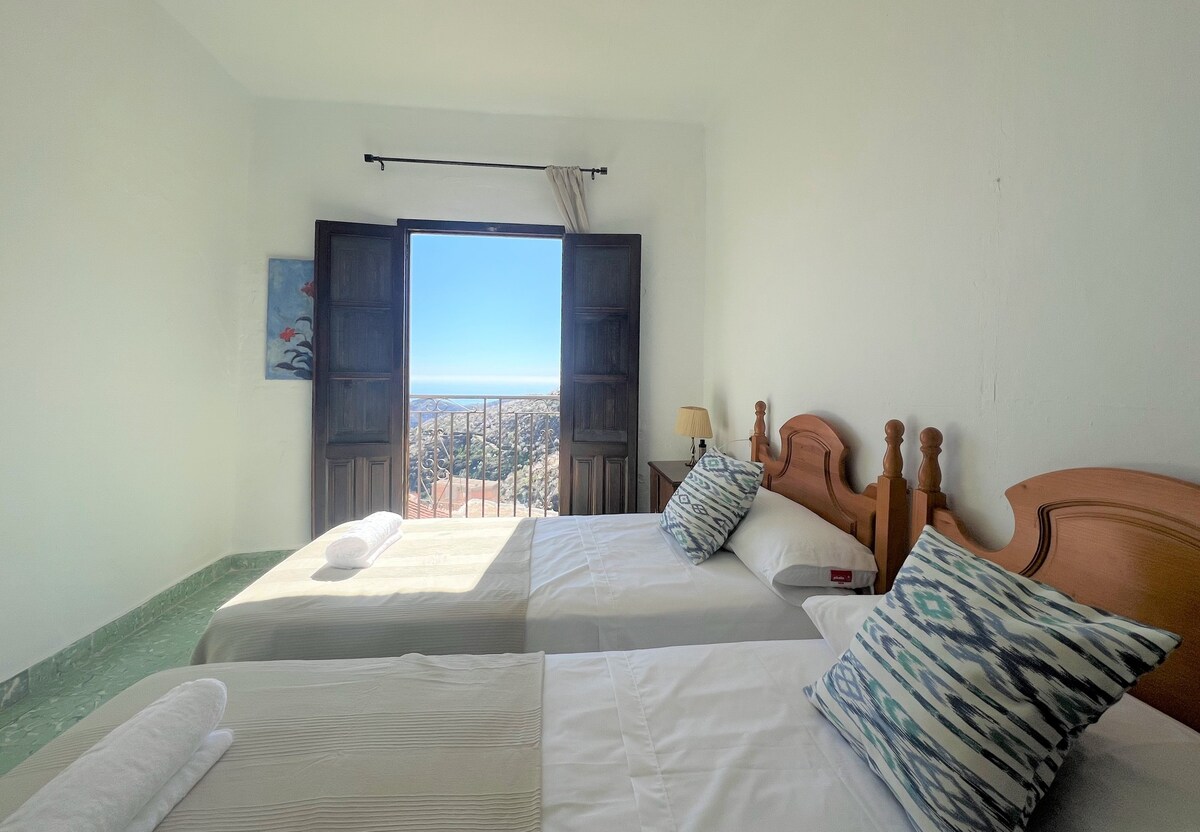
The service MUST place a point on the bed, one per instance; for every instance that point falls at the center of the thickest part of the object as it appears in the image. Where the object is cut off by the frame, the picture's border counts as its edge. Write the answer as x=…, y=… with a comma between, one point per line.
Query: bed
x=700, y=737
x=695, y=737
x=610, y=582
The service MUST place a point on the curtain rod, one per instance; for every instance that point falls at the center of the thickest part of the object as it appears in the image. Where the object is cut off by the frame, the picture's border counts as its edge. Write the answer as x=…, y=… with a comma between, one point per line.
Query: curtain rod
x=371, y=158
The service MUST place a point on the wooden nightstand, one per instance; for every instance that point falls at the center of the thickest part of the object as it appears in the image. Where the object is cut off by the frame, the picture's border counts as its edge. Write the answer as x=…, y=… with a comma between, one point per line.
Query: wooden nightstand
x=664, y=479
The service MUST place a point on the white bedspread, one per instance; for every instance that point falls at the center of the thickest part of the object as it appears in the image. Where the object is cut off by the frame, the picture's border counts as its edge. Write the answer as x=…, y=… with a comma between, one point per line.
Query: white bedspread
x=614, y=582
x=445, y=587
x=702, y=738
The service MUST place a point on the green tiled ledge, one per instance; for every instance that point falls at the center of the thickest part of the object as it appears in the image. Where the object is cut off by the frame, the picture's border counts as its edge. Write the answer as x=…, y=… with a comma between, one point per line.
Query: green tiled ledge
x=35, y=678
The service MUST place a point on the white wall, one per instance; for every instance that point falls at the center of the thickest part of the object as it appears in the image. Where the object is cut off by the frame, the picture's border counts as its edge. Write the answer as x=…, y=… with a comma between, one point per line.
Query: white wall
x=975, y=215
x=981, y=216
x=308, y=166
x=123, y=165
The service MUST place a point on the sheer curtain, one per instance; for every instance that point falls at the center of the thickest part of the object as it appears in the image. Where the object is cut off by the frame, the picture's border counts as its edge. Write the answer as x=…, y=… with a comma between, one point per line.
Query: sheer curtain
x=568, y=192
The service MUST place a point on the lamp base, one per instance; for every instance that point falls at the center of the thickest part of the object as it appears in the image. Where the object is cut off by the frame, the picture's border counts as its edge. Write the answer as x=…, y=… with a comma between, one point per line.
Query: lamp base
x=692, y=462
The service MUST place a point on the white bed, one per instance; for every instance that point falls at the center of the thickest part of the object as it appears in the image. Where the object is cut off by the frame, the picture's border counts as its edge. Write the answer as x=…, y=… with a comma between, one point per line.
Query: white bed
x=610, y=582
x=702, y=737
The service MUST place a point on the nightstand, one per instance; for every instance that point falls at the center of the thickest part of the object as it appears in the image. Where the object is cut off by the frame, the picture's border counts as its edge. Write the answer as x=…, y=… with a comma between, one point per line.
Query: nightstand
x=664, y=479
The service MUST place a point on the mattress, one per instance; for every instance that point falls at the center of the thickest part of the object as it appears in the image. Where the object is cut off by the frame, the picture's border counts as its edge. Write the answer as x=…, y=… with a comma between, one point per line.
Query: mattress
x=700, y=737
x=611, y=582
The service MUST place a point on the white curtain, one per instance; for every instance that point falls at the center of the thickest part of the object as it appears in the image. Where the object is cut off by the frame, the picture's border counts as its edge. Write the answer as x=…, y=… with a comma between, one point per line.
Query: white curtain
x=568, y=192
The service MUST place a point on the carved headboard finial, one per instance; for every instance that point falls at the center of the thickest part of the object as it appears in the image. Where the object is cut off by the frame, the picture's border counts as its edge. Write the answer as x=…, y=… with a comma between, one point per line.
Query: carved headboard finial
x=929, y=476
x=759, y=443
x=893, y=461
x=891, y=519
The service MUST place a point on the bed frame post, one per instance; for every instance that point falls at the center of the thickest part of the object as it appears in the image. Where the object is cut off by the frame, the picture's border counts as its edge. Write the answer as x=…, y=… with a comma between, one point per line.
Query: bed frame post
x=928, y=497
x=891, y=518
x=760, y=445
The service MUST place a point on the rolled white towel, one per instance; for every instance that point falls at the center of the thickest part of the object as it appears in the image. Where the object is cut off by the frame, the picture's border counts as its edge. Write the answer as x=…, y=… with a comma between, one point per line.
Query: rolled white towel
x=359, y=545
x=177, y=788
x=113, y=781
x=365, y=560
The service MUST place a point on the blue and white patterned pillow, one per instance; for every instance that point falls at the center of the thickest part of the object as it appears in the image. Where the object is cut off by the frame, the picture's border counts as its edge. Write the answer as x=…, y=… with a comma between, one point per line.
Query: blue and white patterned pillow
x=966, y=686
x=710, y=501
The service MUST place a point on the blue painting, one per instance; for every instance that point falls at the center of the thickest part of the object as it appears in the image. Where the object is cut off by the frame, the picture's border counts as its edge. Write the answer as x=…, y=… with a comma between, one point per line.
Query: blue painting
x=290, y=319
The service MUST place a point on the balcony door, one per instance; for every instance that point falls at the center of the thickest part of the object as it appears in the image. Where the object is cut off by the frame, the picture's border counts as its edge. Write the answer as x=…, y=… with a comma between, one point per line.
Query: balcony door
x=360, y=372
x=373, y=448
x=600, y=336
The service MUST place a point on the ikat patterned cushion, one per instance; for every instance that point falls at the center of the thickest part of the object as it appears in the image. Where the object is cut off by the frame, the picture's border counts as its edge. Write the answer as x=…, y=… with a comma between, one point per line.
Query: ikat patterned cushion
x=966, y=686
x=710, y=501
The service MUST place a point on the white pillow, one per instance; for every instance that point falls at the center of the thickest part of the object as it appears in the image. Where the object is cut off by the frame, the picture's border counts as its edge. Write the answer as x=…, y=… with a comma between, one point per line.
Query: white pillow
x=782, y=541
x=839, y=617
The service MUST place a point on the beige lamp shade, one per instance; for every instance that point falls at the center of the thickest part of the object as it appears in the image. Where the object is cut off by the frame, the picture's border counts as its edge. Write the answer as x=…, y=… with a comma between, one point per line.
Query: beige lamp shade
x=693, y=421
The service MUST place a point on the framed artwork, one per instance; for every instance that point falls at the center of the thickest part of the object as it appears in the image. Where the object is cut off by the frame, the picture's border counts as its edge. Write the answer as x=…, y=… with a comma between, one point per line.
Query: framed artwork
x=289, y=319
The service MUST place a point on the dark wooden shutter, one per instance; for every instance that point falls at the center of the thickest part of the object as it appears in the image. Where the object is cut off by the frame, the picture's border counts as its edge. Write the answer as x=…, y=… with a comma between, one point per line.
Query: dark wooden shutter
x=600, y=332
x=360, y=431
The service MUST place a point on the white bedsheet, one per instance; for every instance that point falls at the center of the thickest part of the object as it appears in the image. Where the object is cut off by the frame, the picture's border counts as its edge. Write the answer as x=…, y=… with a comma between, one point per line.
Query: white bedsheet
x=703, y=737
x=613, y=582
x=721, y=737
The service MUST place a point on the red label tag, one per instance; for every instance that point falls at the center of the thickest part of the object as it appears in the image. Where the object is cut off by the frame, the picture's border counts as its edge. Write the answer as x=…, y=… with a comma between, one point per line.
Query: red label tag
x=841, y=576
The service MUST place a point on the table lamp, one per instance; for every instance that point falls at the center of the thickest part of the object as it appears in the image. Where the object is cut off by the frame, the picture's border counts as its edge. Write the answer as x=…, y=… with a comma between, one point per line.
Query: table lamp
x=693, y=421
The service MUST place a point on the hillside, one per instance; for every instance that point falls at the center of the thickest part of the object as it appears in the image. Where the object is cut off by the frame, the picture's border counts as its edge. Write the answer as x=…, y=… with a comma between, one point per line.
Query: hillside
x=515, y=448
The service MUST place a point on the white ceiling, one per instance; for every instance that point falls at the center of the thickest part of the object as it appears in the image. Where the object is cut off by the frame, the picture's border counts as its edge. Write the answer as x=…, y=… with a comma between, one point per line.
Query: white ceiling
x=650, y=59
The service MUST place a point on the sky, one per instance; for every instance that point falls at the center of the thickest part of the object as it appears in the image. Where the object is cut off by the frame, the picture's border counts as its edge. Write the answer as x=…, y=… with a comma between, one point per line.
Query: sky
x=485, y=314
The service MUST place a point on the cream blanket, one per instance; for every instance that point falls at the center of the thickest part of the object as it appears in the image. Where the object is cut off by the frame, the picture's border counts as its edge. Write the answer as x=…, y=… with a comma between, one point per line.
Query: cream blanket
x=447, y=586
x=415, y=743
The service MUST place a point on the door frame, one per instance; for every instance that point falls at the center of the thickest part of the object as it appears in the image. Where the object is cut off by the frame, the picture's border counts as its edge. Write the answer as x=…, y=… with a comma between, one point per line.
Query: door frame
x=406, y=228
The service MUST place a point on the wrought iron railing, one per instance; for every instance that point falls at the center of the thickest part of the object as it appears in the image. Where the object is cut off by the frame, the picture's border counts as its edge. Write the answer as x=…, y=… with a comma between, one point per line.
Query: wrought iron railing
x=478, y=455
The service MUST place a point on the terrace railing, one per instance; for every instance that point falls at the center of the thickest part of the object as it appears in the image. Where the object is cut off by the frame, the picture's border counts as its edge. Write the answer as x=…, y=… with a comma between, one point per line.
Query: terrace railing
x=478, y=455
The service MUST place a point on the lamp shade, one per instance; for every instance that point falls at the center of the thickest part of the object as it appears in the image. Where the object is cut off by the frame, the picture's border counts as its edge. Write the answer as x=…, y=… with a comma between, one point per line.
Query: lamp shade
x=693, y=421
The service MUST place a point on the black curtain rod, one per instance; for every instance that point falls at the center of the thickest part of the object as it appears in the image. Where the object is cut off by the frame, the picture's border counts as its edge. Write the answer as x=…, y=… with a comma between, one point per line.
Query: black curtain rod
x=371, y=158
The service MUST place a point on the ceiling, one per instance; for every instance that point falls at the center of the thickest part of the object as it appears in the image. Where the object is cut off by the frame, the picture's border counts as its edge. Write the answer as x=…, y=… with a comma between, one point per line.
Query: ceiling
x=646, y=59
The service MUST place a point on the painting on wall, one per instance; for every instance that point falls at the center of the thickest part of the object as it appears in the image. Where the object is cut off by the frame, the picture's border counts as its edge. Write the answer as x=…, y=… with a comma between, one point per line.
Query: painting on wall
x=289, y=319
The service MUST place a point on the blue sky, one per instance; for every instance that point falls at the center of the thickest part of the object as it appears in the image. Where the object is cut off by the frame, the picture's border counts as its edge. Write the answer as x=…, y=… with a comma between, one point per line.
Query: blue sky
x=485, y=314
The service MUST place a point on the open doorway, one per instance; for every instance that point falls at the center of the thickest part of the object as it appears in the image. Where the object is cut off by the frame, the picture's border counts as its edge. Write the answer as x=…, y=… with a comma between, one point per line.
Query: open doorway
x=484, y=370
x=477, y=428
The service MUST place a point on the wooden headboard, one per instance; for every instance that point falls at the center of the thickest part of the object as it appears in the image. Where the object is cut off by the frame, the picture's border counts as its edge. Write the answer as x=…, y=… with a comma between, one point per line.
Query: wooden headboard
x=1124, y=541
x=811, y=469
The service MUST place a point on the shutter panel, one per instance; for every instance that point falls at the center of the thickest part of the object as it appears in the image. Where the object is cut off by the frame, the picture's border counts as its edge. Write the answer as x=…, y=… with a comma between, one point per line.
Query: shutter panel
x=599, y=395
x=359, y=426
